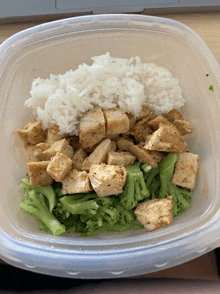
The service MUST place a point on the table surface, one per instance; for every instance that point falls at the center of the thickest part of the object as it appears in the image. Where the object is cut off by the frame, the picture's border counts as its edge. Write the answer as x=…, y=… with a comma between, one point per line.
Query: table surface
x=207, y=25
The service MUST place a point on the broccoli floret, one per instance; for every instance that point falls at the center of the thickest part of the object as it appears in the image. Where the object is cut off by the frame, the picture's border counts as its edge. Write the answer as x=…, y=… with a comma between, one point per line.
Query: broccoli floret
x=145, y=168
x=134, y=189
x=181, y=196
x=47, y=191
x=35, y=206
x=80, y=204
x=152, y=180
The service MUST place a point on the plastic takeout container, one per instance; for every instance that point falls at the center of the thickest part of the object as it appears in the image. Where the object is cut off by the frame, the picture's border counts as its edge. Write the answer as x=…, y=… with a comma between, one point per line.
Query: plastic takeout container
x=54, y=48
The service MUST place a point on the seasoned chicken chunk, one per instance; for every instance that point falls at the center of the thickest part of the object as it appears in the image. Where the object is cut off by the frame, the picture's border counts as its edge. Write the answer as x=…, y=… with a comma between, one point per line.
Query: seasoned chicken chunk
x=78, y=159
x=175, y=114
x=183, y=126
x=59, y=167
x=107, y=179
x=39, y=149
x=38, y=173
x=32, y=133
x=132, y=120
x=120, y=158
x=76, y=182
x=152, y=214
x=166, y=139
x=29, y=151
x=186, y=169
x=98, y=156
x=153, y=158
x=61, y=146
x=155, y=123
x=53, y=134
x=124, y=144
x=117, y=121
x=145, y=112
x=113, y=146
x=141, y=130
x=91, y=128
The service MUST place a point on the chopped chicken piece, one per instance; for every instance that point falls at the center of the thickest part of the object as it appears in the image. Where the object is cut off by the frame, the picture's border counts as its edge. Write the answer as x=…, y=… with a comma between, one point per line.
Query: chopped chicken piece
x=98, y=156
x=183, y=126
x=132, y=120
x=91, y=128
x=59, y=167
x=166, y=139
x=78, y=159
x=39, y=149
x=152, y=214
x=153, y=158
x=53, y=134
x=145, y=112
x=155, y=123
x=29, y=150
x=141, y=130
x=61, y=146
x=186, y=169
x=113, y=146
x=175, y=114
x=76, y=182
x=38, y=173
x=120, y=158
x=124, y=144
x=74, y=142
x=107, y=179
x=117, y=121
x=32, y=133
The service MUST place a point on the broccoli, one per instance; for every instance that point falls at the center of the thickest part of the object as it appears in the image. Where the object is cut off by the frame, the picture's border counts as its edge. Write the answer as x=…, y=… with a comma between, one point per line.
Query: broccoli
x=181, y=196
x=152, y=179
x=134, y=189
x=47, y=191
x=35, y=206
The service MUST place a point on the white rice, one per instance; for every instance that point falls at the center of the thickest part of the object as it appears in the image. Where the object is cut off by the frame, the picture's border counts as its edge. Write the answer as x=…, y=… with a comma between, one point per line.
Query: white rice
x=108, y=82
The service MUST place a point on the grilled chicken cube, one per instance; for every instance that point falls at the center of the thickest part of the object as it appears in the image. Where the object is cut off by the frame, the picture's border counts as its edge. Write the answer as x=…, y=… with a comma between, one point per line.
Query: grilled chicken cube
x=76, y=182
x=61, y=146
x=91, y=128
x=78, y=159
x=120, y=158
x=124, y=144
x=152, y=214
x=59, y=167
x=107, y=179
x=186, y=169
x=53, y=134
x=39, y=149
x=155, y=123
x=141, y=129
x=153, y=158
x=98, y=156
x=117, y=121
x=183, y=126
x=145, y=112
x=166, y=139
x=38, y=173
x=113, y=146
x=175, y=114
x=132, y=120
x=32, y=133
x=29, y=151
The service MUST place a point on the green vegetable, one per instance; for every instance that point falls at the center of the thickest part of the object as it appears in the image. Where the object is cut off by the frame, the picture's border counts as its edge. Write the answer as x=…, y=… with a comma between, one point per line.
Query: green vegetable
x=207, y=75
x=152, y=180
x=211, y=88
x=47, y=191
x=35, y=206
x=181, y=196
x=135, y=189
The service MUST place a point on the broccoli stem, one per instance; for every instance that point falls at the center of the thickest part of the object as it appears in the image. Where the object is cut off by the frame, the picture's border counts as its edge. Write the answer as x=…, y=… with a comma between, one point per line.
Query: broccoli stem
x=77, y=207
x=35, y=206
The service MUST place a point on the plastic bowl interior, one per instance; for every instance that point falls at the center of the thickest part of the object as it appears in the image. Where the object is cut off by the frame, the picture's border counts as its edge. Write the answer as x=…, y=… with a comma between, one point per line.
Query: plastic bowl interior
x=56, y=47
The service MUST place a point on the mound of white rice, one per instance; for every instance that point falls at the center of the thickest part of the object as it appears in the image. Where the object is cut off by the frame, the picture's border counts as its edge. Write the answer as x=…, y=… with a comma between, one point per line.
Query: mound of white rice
x=108, y=82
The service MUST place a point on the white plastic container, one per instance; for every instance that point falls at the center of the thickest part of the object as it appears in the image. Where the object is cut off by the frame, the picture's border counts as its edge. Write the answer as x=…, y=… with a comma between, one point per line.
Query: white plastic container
x=62, y=45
